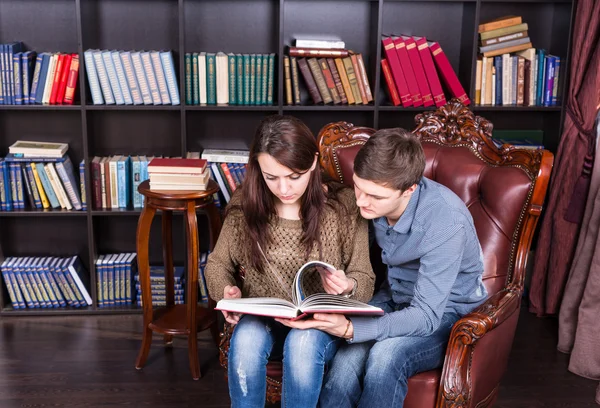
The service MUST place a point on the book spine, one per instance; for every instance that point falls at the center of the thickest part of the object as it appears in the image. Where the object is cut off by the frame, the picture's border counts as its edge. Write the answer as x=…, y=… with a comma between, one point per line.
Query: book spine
x=271, y=82
x=60, y=61
x=495, y=25
x=316, y=52
x=189, y=91
x=258, y=81
x=36, y=78
x=121, y=77
x=82, y=185
x=64, y=77
x=390, y=82
x=409, y=74
x=239, y=60
x=295, y=81
x=288, y=80
x=337, y=80
x=364, y=77
x=432, y=77
x=132, y=82
x=252, y=79
x=344, y=79
x=329, y=82
x=310, y=82
x=504, y=38
x=320, y=80
x=103, y=77
x=92, y=76
x=195, y=94
x=448, y=74
x=17, y=78
x=49, y=79
x=415, y=61
x=67, y=177
x=151, y=76
x=47, y=187
x=353, y=80
x=138, y=67
x=265, y=80
x=211, y=79
x=160, y=78
x=359, y=79
x=37, y=199
x=246, y=79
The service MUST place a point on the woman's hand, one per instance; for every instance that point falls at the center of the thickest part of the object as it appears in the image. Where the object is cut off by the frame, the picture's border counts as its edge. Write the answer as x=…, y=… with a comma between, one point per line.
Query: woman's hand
x=334, y=324
x=232, y=292
x=336, y=282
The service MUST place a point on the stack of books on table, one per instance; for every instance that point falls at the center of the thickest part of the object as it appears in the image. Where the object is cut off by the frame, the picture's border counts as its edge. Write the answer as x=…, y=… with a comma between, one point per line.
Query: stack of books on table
x=178, y=174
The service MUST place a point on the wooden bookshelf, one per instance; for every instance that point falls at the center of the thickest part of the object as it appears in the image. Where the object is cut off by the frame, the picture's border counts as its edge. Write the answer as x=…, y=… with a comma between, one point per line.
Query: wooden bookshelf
x=238, y=26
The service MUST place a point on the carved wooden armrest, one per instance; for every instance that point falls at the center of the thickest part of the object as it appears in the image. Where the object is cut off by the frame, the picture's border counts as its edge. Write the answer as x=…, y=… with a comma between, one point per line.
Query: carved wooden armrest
x=224, y=343
x=455, y=388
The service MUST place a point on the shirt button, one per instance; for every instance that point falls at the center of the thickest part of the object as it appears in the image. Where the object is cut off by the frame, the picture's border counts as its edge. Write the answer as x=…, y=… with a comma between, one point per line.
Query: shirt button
x=387, y=232
x=384, y=252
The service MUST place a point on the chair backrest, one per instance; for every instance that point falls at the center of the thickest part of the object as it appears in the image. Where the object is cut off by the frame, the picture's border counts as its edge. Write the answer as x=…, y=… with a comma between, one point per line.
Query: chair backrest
x=504, y=188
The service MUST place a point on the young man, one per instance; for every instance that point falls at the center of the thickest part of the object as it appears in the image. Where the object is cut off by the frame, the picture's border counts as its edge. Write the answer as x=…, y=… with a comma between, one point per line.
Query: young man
x=434, y=264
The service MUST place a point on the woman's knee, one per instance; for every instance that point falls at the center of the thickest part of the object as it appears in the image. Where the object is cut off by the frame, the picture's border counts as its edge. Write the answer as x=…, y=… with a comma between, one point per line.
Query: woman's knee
x=251, y=340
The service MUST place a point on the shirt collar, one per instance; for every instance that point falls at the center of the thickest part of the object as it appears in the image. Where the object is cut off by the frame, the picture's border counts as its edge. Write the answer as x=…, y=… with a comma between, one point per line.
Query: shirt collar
x=403, y=224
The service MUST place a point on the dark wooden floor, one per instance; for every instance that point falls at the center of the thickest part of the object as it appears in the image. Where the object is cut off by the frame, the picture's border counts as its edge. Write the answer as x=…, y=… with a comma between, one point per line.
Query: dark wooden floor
x=89, y=362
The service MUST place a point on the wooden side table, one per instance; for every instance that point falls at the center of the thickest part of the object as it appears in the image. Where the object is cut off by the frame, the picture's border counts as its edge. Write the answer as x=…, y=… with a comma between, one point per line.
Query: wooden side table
x=190, y=318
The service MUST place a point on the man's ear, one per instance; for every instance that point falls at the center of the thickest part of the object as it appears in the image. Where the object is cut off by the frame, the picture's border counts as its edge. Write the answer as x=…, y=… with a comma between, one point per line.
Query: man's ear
x=410, y=190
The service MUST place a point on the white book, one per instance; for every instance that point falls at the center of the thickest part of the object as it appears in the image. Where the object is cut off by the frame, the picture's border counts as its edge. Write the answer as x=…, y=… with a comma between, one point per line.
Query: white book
x=149, y=70
x=301, y=305
x=49, y=79
x=114, y=184
x=163, y=89
x=57, y=186
x=112, y=77
x=225, y=156
x=327, y=44
x=103, y=181
x=103, y=78
x=483, y=80
x=92, y=76
x=493, y=86
x=506, y=64
x=122, y=77
x=132, y=80
x=38, y=149
x=140, y=73
x=166, y=58
x=222, y=79
x=202, y=77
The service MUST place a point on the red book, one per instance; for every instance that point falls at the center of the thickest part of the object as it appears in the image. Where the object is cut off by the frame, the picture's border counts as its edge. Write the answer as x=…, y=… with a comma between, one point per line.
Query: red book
x=394, y=65
x=415, y=61
x=390, y=82
x=62, y=85
x=181, y=166
x=72, y=80
x=432, y=77
x=447, y=73
x=56, y=80
x=228, y=176
x=409, y=74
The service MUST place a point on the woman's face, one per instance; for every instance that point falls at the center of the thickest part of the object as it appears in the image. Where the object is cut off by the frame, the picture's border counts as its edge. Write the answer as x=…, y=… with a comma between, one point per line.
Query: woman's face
x=285, y=184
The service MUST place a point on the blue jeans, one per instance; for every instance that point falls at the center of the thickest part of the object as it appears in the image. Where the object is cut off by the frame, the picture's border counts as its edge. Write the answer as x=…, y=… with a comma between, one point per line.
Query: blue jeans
x=375, y=374
x=305, y=353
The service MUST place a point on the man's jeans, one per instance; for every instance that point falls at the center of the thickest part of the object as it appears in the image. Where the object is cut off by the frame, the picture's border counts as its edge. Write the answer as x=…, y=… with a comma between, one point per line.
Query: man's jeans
x=305, y=353
x=375, y=374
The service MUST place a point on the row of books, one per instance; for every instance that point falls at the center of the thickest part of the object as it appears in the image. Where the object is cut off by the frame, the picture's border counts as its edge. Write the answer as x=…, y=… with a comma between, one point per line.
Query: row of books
x=177, y=174
x=228, y=169
x=335, y=76
x=46, y=282
x=28, y=78
x=229, y=79
x=527, y=78
x=522, y=138
x=114, y=279
x=115, y=181
x=132, y=77
x=409, y=70
x=40, y=183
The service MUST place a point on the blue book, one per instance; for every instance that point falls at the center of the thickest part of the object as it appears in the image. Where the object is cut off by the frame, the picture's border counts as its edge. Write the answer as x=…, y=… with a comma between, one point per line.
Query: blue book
x=549, y=80
x=37, y=201
x=113, y=80
x=66, y=173
x=92, y=76
x=53, y=283
x=24, y=283
x=13, y=48
x=36, y=78
x=39, y=92
x=54, y=203
x=3, y=189
x=498, y=66
x=75, y=270
x=17, y=78
x=82, y=185
x=2, y=87
x=121, y=76
x=166, y=58
x=541, y=57
x=8, y=284
x=28, y=60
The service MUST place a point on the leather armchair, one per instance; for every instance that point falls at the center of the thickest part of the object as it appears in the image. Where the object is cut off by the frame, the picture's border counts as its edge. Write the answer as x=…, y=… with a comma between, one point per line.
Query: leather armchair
x=504, y=188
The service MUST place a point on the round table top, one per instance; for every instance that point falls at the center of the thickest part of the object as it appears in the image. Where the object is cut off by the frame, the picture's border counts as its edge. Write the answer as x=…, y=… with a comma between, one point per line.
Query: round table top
x=144, y=189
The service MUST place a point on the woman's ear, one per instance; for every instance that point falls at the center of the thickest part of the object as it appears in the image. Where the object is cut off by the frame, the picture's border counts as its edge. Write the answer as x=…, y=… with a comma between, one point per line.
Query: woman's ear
x=315, y=162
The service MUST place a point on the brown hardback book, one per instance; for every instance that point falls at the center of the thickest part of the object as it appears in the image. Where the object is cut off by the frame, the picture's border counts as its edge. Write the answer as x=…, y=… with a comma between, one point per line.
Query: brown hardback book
x=315, y=70
x=318, y=52
x=288, y=80
x=359, y=80
x=508, y=50
x=339, y=63
x=295, y=81
x=500, y=22
x=352, y=79
x=364, y=77
x=311, y=85
x=329, y=81
x=520, y=81
x=526, y=81
x=107, y=182
x=337, y=80
x=504, y=38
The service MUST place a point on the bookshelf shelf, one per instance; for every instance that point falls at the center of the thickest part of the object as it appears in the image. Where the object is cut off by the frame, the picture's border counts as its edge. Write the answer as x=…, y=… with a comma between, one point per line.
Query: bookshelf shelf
x=231, y=26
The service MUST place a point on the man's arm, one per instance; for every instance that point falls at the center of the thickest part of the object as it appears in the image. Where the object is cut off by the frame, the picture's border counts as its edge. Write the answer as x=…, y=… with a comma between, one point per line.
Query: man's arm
x=437, y=274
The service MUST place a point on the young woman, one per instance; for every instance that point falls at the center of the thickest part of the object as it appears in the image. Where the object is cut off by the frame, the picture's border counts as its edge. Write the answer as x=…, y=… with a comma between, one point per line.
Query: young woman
x=283, y=216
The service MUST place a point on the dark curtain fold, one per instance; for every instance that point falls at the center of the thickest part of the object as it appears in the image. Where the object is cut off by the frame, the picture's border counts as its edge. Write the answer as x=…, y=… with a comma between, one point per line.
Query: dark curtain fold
x=572, y=166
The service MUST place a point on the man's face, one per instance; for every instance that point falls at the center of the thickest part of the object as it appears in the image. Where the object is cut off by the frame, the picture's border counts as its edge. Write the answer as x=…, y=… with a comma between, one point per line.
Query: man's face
x=375, y=200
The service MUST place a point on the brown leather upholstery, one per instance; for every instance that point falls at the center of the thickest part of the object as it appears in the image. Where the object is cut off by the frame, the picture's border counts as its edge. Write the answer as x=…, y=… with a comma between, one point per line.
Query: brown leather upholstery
x=504, y=189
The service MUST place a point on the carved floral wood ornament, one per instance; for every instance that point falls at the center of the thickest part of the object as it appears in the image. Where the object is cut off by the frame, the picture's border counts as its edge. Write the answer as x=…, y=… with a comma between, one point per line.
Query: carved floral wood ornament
x=480, y=337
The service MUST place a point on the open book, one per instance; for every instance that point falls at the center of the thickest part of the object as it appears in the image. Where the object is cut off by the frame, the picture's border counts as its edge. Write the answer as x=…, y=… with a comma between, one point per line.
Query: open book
x=301, y=305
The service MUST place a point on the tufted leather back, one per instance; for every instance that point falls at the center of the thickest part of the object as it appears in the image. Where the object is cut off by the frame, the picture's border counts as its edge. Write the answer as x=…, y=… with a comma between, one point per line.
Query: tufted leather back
x=498, y=185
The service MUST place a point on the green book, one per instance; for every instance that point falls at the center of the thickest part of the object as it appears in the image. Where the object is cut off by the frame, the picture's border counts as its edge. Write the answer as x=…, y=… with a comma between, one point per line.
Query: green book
x=211, y=79
x=265, y=79
x=195, y=87
x=240, y=78
x=246, y=79
x=188, y=78
x=535, y=137
x=271, y=79
x=232, y=79
x=252, y=79
x=258, y=81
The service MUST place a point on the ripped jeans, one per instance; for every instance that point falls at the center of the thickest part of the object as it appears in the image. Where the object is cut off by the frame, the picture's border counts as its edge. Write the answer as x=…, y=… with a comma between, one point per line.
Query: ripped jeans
x=305, y=353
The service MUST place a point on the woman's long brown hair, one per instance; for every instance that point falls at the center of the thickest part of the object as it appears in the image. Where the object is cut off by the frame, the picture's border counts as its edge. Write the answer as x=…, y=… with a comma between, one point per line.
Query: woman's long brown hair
x=292, y=144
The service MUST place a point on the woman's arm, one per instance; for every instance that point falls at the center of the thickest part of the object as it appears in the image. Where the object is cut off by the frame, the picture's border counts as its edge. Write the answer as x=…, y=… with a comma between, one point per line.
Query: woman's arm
x=220, y=268
x=356, y=259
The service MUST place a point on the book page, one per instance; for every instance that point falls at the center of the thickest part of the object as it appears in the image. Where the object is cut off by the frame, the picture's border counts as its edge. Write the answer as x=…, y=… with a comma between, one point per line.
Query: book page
x=298, y=291
x=260, y=306
x=326, y=303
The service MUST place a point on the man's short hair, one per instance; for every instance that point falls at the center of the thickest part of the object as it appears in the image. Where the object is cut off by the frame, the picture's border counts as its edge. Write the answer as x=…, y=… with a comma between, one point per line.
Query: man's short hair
x=391, y=157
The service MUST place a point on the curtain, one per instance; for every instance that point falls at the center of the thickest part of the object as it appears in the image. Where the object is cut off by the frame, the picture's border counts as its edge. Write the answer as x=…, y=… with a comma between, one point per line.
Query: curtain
x=578, y=331
x=572, y=166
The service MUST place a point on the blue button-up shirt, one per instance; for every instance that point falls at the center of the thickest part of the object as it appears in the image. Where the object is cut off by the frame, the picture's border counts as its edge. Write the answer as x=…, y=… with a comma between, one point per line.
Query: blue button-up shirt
x=435, y=265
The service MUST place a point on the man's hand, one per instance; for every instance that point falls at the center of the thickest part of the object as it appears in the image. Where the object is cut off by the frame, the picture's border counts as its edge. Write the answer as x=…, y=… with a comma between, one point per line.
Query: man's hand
x=334, y=324
x=231, y=292
x=336, y=282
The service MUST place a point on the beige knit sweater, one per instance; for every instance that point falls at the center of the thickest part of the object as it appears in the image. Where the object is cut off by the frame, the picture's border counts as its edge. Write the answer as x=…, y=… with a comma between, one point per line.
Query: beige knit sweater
x=344, y=245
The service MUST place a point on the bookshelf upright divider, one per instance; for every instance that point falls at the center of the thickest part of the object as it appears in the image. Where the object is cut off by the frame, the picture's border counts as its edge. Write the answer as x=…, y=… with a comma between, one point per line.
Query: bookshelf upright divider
x=231, y=26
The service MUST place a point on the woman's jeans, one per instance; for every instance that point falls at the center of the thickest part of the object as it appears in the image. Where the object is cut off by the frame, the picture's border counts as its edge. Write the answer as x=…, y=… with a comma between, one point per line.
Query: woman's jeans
x=305, y=353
